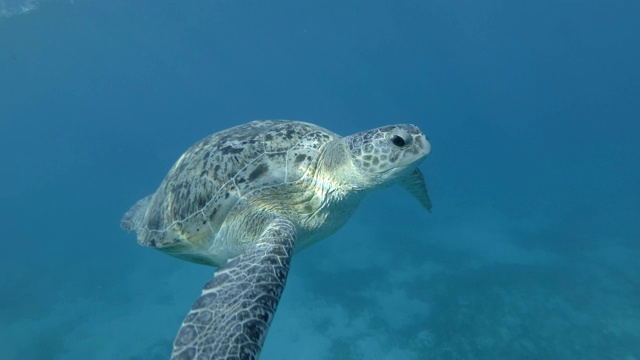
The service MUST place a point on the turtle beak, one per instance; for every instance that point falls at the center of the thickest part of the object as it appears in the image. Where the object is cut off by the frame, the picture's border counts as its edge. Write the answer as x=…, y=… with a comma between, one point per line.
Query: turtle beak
x=414, y=184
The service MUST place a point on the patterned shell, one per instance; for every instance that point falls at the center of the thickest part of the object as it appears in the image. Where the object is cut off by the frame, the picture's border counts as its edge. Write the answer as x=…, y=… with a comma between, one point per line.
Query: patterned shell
x=207, y=181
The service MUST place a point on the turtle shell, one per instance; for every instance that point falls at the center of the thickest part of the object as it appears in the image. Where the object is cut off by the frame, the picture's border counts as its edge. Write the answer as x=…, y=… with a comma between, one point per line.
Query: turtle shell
x=215, y=174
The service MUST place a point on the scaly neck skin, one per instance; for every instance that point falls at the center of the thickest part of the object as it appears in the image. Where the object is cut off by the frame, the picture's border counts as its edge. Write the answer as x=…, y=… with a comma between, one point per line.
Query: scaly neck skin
x=338, y=193
x=337, y=166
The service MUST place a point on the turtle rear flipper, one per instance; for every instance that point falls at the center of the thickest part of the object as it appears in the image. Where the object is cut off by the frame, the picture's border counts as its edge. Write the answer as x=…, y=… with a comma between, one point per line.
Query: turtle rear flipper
x=231, y=318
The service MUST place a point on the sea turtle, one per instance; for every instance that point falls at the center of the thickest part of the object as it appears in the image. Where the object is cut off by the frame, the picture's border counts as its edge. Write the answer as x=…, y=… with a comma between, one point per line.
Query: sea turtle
x=246, y=199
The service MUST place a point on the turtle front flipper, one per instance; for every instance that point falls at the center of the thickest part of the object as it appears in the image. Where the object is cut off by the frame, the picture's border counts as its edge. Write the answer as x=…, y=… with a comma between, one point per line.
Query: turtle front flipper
x=231, y=318
x=414, y=184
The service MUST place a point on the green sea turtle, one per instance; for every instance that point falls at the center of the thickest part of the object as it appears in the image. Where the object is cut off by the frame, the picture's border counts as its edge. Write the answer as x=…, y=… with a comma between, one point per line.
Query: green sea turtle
x=246, y=199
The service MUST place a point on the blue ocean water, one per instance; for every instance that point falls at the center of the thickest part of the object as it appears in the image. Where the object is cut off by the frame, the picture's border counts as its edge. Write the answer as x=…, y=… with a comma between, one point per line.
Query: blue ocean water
x=532, y=108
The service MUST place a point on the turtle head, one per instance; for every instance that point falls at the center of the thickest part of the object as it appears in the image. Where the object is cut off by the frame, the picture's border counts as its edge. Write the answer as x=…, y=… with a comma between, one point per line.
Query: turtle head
x=391, y=154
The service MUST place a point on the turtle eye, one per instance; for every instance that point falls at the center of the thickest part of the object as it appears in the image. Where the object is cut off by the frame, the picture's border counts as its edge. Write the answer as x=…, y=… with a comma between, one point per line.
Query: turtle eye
x=397, y=140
